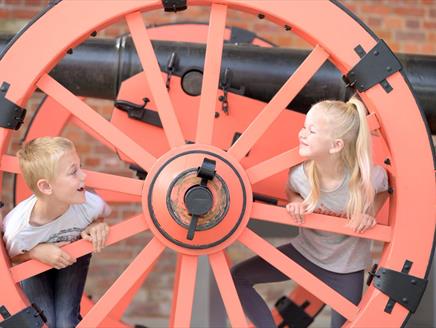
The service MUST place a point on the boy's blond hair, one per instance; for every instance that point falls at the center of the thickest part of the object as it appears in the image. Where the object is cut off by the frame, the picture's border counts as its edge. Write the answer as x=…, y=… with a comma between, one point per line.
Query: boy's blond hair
x=38, y=159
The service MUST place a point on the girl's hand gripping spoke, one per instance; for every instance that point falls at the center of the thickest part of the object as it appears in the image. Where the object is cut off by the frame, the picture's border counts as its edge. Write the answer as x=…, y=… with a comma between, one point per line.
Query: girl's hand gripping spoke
x=362, y=223
x=296, y=210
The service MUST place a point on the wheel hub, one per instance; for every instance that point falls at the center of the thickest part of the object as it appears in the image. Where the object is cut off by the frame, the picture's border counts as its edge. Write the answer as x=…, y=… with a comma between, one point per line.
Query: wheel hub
x=186, y=196
x=197, y=199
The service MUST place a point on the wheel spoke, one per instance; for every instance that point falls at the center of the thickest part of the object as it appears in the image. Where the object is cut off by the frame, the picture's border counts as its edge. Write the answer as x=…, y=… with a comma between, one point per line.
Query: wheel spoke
x=91, y=118
x=175, y=289
x=117, y=197
x=185, y=291
x=119, y=309
x=10, y=164
x=274, y=165
x=94, y=179
x=112, y=182
x=282, y=98
x=110, y=321
x=74, y=120
x=277, y=214
x=143, y=261
x=118, y=232
x=48, y=109
x=154, y=78
x=301, y=276
x=211, y=73
x=227, y=289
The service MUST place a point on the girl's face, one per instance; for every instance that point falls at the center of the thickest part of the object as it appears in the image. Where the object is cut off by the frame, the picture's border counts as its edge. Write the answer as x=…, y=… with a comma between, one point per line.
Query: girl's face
x=316, y=141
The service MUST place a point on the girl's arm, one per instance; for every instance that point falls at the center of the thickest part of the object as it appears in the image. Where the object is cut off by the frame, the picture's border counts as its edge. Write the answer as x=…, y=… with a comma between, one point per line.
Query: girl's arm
x=379, y=200
x=367, y=220
x=295, y=206
x=293, y=196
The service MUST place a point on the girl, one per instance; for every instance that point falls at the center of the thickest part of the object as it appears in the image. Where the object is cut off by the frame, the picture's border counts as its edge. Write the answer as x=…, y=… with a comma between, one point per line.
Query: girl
x=338, y=179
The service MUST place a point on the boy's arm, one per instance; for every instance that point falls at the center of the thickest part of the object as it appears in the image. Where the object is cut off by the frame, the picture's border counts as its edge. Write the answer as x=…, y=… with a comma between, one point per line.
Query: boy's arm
x=50, y=254
x=20, y=258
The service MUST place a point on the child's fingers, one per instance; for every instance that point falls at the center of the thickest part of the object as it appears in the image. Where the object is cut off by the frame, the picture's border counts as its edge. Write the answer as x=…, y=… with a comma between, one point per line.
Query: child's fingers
x=99, y=240
x=362, y=225
x=352, y=226
x=300, y=213
x=104, y=236
x=293, y=212
x=367, y=222
x=86, y=237
x=94, y=242
x=289, y=208
x=62, y=263
x=295, y=215
x=67, y=257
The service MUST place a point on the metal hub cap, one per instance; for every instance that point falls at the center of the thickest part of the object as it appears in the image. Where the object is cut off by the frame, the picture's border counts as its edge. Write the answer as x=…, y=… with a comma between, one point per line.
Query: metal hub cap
x=192, y=211
x=186, y=189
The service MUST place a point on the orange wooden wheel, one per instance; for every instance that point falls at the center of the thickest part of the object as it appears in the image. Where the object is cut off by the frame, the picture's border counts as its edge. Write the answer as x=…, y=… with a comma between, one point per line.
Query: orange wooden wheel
x=395, y=114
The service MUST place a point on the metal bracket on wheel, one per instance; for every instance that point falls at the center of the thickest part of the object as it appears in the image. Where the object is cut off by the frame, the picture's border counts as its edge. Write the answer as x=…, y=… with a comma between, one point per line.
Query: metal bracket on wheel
x=139, y=112
x=373, y=68
x=293, y=315
x=31, y=316
x=11, y=115
x=174, y=5
x=400, y=287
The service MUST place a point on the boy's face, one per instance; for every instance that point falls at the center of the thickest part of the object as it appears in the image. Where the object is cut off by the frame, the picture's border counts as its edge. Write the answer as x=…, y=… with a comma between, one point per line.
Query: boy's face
x=69, y=182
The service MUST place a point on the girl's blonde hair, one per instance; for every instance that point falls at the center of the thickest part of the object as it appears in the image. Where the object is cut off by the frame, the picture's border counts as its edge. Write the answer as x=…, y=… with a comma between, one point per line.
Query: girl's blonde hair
x=348, y=122
x=39, y=157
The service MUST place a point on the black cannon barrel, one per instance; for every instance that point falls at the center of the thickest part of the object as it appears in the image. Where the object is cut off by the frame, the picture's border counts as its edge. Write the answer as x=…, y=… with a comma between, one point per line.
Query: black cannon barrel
x=97, y=67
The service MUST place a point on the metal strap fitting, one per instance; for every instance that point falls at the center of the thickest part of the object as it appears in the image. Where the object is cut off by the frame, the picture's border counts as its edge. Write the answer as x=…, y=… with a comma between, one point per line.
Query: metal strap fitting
x=139, y=112
x=11, y=115
x=400, y=287
x=174, y=5
x=373, y=68
x=171, y=67
x=293, y=315
x=31, y=316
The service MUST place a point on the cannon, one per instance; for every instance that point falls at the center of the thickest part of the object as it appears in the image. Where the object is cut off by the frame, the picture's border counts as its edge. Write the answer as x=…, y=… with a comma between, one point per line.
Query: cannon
x=241, y=142
x=97, y=67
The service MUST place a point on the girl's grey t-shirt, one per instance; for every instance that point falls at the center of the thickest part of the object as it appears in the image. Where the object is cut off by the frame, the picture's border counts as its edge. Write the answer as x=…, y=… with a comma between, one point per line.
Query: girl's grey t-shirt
x=332, y=251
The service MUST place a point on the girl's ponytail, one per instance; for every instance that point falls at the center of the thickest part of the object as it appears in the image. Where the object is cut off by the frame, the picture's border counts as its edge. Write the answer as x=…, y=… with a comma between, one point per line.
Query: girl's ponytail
x=361, y=188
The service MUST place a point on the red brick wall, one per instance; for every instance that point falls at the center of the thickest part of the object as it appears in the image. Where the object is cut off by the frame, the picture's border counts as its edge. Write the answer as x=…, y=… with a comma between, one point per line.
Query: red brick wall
x=407, y=26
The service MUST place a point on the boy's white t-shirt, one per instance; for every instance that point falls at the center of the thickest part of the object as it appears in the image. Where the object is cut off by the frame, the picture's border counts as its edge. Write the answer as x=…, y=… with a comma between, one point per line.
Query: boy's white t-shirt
x=20, y=236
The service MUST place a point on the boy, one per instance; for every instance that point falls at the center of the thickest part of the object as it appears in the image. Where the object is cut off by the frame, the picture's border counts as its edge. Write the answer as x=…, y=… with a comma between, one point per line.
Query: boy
x=59, y=212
